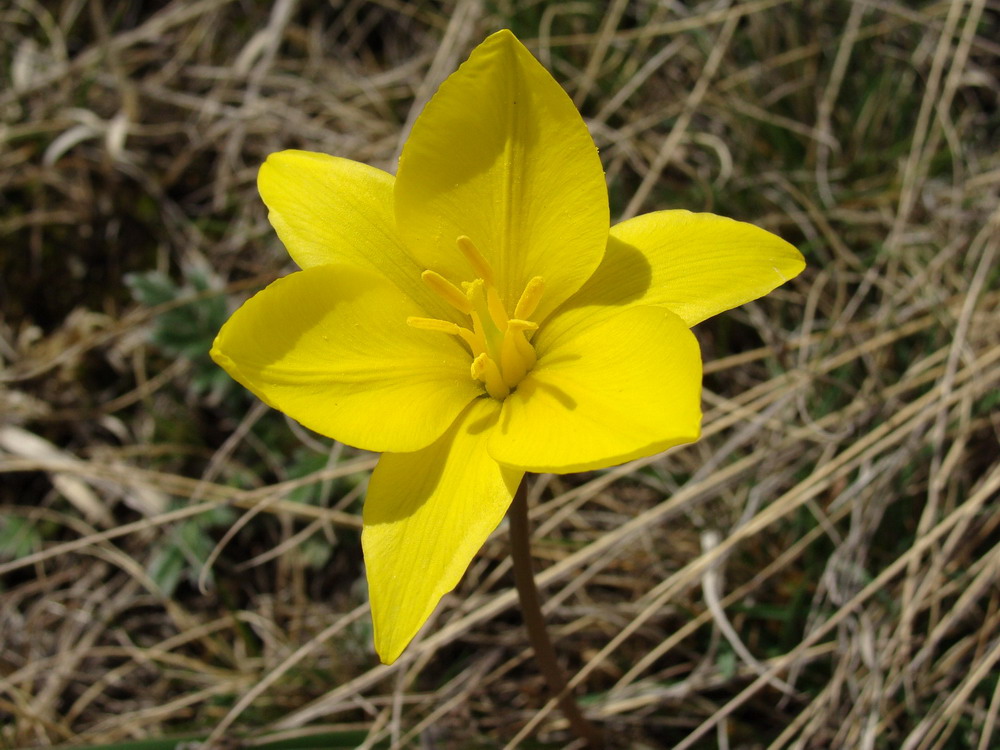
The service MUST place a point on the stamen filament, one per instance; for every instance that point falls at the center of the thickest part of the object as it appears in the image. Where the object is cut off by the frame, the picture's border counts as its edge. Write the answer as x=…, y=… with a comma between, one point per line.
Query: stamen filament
x=514, y=366
x=495, y=305
x=486, y=370
x=517, y=355
x=474, y=343
x=526, y=350
x=483, y=320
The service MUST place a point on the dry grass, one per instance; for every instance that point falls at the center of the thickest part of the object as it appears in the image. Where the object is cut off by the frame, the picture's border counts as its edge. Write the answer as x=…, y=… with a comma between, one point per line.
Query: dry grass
x=821, y=570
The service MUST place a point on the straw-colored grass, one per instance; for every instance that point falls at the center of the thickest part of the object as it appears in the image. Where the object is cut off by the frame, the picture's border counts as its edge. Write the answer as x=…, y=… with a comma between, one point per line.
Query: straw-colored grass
x=821, y=570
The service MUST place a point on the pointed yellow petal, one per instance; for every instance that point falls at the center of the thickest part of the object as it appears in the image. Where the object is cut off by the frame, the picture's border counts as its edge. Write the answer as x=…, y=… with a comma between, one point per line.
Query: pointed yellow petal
x=331, y=210
x=501, y=156
x=626, y=387
x=425, y=517
x=696, y=265
x=330, y=347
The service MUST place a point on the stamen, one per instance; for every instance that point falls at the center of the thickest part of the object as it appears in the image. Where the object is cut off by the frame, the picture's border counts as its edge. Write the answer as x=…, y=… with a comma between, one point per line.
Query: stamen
x=486, y=370
x=530, y=298
x=526, y=350
x=515, y=324
x=482, y=319
x=517, y=355
x=479, y=264
x=475, y=343
x=432, y=324
x=447, y=291
x=446, y=326
x=495, y=305
x=502, y=354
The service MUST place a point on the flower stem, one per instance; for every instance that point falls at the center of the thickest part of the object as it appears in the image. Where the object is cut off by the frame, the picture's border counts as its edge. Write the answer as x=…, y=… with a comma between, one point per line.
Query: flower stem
x=531, y=609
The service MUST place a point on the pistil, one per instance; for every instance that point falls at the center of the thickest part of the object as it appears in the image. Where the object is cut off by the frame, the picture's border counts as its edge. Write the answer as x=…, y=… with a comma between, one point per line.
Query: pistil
x=501, y=352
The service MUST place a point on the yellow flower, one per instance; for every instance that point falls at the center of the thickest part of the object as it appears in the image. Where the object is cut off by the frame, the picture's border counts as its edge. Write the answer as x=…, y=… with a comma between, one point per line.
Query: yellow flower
x=474, y=318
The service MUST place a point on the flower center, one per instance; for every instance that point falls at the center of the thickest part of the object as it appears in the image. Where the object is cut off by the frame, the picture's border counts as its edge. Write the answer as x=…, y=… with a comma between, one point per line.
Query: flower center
x=501, y=352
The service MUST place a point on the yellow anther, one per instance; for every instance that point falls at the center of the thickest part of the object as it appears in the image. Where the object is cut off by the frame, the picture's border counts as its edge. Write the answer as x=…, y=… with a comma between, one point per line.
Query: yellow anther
x=486, y=370
x=479, y=264
x=432, y=324
x=474, y=342
x=530, y=298
x=447, y=291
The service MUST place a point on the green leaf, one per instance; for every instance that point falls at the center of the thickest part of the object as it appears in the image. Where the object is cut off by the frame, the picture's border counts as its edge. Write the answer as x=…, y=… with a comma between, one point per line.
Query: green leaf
x=19, y=537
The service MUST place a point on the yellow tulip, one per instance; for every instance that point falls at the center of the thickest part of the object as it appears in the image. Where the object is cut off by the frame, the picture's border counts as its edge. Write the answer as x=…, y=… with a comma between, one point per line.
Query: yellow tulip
x=474, y=317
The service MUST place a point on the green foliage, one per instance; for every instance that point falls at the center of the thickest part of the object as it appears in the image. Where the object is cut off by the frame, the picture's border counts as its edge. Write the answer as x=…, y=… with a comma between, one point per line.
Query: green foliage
x=187, y=327
x=19, y=537
x=182, y=553
x=726, y=660
x=306, y=462
x=315, y=552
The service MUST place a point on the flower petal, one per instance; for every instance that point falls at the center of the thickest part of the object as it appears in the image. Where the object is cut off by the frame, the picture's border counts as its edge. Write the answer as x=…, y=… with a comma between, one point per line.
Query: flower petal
x=330, y=347
x=425, y=517
x=501, y=155
x=696, y=265
x=626, y=387
x=331, y=210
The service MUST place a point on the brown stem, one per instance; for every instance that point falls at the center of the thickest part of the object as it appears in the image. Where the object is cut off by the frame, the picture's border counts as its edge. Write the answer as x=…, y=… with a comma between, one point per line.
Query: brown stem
x=531, y=609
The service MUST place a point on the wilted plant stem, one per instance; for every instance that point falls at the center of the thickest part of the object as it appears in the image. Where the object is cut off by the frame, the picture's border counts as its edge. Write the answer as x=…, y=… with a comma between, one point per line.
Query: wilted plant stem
x=531, y=609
